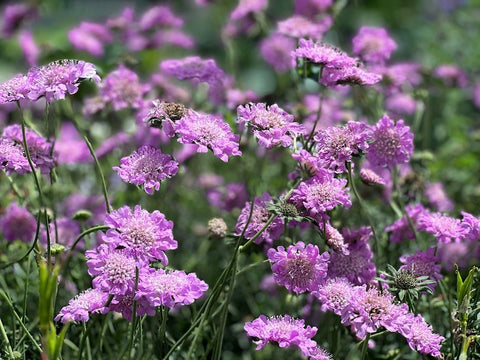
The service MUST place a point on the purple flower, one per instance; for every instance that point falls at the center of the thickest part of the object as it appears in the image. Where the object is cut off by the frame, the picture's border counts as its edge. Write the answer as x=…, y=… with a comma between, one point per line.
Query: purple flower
x=30, y=49
x=370, y=177
x=64, y=232
x=472, y=226
x=336, y=145
x=159, y=16
x=373, y=44
x=13, y=17
x=39, y=147
x=113, y=269
x=147, y=166
x=451, y=75
x=320, y=194
x=59, y=78
x=93, y=203
x=423, y=263
x=173, y=37
x=401, y=104
x=146, y=234
x=113, y=142
x=228, y=197
x=284, y=330
x=323, y=54
x=122, y=89
x=311, y=8
x=443, y=227
x=70, y=147
x=208, y=132
x=245, y=7
x=276, y=50
x=300, y=268
x=335, y=295
x=12, y=158
x=420, y=336
x=271, y=125
x=401, y=74
x=17, y=223
x=437, y=197
x=335, y=240
x=237, y=97
x=298, y=26
x=353, y=74
x=14, y=89
x=90, y=37
x=401, y=228
x=174, y=288
x=260, y=215
x=81, y=306
x=164, y=115
x=392, y=143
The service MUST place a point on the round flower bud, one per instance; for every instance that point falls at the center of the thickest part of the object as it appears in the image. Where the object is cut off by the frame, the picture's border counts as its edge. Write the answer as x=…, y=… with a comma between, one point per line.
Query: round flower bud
x=217, y=228
x=82, y=215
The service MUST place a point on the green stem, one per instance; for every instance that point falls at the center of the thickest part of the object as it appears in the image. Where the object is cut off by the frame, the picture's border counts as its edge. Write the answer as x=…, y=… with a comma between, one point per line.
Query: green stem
x=134, y=318
x=7, y=342
x=254, y=237
x=396, y=187
x=365, y=347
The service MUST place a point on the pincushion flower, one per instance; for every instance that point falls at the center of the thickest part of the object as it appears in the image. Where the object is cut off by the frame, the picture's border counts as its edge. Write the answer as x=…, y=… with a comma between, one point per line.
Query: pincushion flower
x=323, y=54
x=373, y=44
x=420, y=336
x=271, y=125
x=443, y=227
x=208, y=132
x=300, y=268
x=246, y=7
x=349, y=75
x=298, y=26
x=172, y=288
x=228, y=197
x=81, y=306
x=147, y=166
x=284, y=330
x=260, y=216
x=90, y=37
x=436, y=195
x=113, y=269
x=12, y=158
x=335, y=295
x=472, y=226
x=276, y=50
x=370, y=177
x=336, y=145
x=320, y=194
x=59, y=78
x=17, y=223
x=14, y=89
x=392, y=143
x=146, y=234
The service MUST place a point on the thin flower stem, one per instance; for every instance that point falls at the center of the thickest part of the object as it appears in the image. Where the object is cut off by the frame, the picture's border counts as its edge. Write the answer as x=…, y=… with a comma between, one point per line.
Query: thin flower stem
x=365, y=347
x=254, y=237
x=396, y=187
x=5, y=339
x=134, y=319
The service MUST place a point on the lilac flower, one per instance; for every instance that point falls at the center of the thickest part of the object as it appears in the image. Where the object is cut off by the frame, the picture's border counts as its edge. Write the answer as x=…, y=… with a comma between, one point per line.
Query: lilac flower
x=323, y=54
x=300, y=268
x=146, y=234
x=13, y=17
x=90, y=37
x=335, y=240
x=228, y=197
x=320, y=194
x=39, y=147
x=123, y=304
x=373, y=44
x=59, y=78
x=276, y=50
x=147, y=166
x=14, y=89
x=436, y=195
x=336, y=145
x=401, y=104
x=245, y=7
x=370, y=177
x=30, y=49
x=113, y=269
x=443, y=227
x=349, y=75
x=271, y=125
x=472, y=226
x=357, y=266
x=17, y=223
x=335, y=295
x=311, y=8
x=420, y=336
x=208, y=132
x=70, y=147
x=298, y=26
x=159, y=16
x=308, y=162
x=81, y=306
x=112, y=143
x=401, y=74
x=260, y=215
x=451, y=75
x=392, y=143
x=173, y=288
x=455, y=253
x=401, y=228
x=12, y=158
x=423, y=263
x=284, y=330
x=122, y=89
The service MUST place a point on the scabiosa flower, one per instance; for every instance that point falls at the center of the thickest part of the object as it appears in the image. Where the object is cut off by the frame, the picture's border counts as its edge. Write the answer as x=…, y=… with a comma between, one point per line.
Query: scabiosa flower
x=113, y=269
x=451, y=75
x=392, y=143
x=317, y=353
x=271, y=125
x=164, y=115
x=173, y=288
x=59, y=78
x=17, y=223
x=246, y=7
x=147, y=166
x=420, y=336
x=228, y=197
x=323, y=54
x=443, y=227
x=146, y=234
x=373, y=44
x=321, y=193
x=159, y=16
x=237, y=97
x=31, y=51
x=335, y=295
x=12, y=158
x=14, y=89
x=81, y=306
x=298, y=26
x=353, y=74
x=300, y=268
x=284, y=330
x=208, y=132
x=311, y=8
x=370, y=177
x=70, y=147
x=423, y=263
x=260, y=215
x=472, y=226
x=90, y=37
x=13, y=17
x=122, y=89
x=401, y=228
x=336, y=145
x=335, y=240
x=437, y=197
x=401, y=104
x=39, y=147
x=276, y=50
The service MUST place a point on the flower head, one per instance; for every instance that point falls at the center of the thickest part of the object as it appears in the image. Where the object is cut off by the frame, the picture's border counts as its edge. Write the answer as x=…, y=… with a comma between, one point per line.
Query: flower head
x=90, y=37
x=373, y=44
x=392, y=143
x=17, y=223
x=276, y=50
x=122, y=89
x=14, y=89
x=12, y=158
x=443, y=227
x=335, y=295
x=298, y=26
x=436, y=195
x=147, y=166
x=370, y=177
x=401, y=228
x=423, y=263
x=420, y=336
x=472, y=226
x=146, y=234
x=227, y=197
x=300, y=268
x=81, y=306
x=208, y=132
x=323, y=54
x=353, y=74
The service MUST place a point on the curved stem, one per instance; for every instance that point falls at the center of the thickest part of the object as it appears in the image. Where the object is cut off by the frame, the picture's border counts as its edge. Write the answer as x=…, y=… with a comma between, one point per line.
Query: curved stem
x=254, y=237
x=7, y=342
